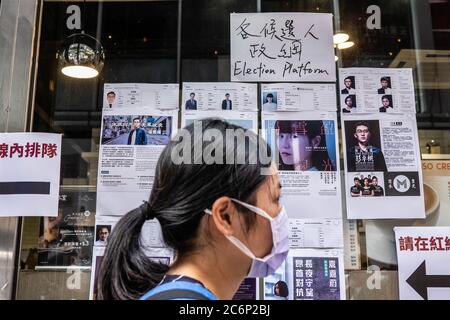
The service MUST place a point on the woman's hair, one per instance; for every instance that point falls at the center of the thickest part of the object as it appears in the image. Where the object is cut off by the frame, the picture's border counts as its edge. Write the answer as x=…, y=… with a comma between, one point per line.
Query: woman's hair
x=312, y=129
x=283, y=290
x=180, y=194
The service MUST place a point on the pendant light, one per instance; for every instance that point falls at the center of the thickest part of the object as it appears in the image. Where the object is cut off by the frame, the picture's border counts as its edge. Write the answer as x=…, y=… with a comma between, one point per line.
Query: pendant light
x=81, y=56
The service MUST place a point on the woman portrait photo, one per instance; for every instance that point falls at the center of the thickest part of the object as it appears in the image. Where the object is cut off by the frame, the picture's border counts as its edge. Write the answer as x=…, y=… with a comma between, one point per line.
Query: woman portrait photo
x=303, y=145
x=349, y=104
x=386, y=103
x=280, y=289
x=269, y=101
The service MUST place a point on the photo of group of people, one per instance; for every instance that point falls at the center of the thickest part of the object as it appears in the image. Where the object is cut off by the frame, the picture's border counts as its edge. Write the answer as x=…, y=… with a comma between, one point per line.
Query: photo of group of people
x=363, y=146
x=192, y=103
x=348, y=94
x=304, y=145
x=136, y=130
x=367, y=186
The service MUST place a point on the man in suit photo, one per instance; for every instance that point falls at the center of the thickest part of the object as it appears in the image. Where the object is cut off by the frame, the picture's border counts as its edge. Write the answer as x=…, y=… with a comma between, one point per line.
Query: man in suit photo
x=227, y=104
x=111, y=98
x=385, y=86
x=191, y=104
x=138, y=136
x=349, y=86
x=364, y=156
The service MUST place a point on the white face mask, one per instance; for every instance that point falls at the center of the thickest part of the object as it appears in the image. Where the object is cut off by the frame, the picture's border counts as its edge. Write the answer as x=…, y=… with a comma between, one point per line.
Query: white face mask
x=262, y=267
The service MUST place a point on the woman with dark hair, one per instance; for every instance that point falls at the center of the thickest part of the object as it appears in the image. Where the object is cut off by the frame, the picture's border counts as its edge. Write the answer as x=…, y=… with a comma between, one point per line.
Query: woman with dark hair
x=386, y=102
x=350, y=104
x=223, y=221
x=269, y=104
x=367, y=189
x=302, y=146
x=281, y=289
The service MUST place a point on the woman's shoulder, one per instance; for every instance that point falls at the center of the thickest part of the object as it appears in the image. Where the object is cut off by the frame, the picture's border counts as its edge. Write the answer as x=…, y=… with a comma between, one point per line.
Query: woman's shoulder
x=183, y=288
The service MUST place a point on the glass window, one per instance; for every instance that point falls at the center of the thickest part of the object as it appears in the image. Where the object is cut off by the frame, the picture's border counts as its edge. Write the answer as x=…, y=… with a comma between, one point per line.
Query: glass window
x=205, y=41
x=140, y=41
x=156, y=42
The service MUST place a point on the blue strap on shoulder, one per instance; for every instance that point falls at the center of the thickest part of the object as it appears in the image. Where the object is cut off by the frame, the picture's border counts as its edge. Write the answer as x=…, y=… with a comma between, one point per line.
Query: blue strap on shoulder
x=179, y=290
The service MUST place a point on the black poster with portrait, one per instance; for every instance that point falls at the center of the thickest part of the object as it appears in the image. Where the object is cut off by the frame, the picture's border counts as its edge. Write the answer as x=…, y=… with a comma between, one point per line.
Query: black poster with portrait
x=67, y=240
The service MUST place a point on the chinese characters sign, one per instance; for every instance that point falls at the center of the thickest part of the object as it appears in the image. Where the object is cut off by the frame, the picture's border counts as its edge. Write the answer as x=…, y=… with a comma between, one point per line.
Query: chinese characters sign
x=29, y=150
x=282, y=47
x=423, y=262
x=424, y=243
x=29, y=174
x=316, y=278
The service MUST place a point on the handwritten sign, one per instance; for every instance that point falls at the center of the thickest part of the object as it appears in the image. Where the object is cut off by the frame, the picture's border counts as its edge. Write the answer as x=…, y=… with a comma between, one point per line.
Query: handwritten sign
x=282, y=47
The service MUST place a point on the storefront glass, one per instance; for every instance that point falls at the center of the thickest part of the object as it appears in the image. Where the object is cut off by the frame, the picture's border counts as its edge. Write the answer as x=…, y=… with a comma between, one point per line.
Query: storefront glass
x=189, y=41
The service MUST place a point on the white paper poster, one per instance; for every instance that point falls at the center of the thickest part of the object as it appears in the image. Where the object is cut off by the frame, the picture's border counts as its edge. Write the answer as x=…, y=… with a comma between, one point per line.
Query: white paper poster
x=423, y=262
x=282, y=47
x=377, y=90
x=236, y=103
x=132, y=138
x=305, y=147
x=316, y=233
x=308, y=274
x=140, y=95
x=220, y=96
x=352, y=251
x=246, y=120
x=298, y=97
x=29, y=174
x=382, y=165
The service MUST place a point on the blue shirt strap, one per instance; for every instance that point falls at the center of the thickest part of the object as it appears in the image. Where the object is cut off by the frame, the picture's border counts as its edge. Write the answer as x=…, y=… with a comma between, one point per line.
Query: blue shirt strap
x=179, y=290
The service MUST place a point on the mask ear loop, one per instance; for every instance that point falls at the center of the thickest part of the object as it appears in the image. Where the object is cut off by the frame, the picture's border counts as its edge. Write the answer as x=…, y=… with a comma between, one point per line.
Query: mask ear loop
x=256, y=210
x=238, y=243
x=259, y=211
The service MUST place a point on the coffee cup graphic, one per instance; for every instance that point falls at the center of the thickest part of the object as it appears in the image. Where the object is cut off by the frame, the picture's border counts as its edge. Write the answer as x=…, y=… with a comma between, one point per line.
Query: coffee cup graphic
x=432, y=200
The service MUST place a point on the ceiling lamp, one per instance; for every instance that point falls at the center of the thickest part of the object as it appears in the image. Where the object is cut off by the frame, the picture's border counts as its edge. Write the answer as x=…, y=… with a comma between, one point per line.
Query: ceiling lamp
x=345, y=45
x=340, y=37
x=81, y=56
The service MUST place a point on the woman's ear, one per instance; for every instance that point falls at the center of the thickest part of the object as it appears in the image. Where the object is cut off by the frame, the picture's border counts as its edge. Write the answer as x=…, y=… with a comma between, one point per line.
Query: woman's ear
x=222, y=213
x=316, y=141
